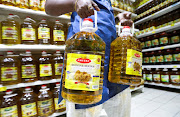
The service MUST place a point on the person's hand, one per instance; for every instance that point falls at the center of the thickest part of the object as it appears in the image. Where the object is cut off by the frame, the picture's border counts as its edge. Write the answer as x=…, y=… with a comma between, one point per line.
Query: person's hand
x=125, y=19
x=85, y=8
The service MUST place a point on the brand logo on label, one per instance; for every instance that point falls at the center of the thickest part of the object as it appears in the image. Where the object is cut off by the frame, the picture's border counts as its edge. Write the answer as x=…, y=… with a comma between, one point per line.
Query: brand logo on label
x=137, y=55
x=45, y=102
x=80, y=60
x=8, y=109
x=28, y=106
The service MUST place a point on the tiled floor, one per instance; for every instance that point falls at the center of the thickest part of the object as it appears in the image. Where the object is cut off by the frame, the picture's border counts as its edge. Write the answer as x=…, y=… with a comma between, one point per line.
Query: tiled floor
x=155, y=103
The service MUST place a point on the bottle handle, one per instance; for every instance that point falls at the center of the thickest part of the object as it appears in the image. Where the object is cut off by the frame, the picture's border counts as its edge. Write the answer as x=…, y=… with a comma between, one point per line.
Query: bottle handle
x=120, y=27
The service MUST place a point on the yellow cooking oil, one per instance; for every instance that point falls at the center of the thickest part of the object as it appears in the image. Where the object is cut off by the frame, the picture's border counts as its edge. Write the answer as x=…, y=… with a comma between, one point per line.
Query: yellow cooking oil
x=42, y=5
x=125, y=65
x=84, y=66
x=22, y=4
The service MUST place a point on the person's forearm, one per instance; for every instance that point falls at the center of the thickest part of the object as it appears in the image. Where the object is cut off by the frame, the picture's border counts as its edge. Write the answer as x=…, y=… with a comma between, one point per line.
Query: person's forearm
x=59, y=7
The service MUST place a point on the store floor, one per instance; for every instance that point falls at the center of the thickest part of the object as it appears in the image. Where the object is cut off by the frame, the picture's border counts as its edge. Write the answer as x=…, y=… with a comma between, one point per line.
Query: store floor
x=155, y=103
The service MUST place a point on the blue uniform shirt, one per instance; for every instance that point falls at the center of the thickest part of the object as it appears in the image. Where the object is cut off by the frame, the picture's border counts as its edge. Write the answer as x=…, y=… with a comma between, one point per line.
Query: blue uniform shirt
x=107, y=31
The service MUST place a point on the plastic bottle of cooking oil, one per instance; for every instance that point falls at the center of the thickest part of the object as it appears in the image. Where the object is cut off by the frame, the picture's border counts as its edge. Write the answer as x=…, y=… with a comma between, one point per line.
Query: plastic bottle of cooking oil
x=28, y=31
x=125, y=59
x=62, y=105
x=8, y=105
x=58, y=34
x=34, y=4
x=22, y=4
x=45, y=102
x=45, y=67
x=43, y=33
x=28, y=103
x=8, y=2
x=42, y=5
x=28, y=68
x=84, y=65
x=10, y=31
x=10, y=69
x=57, y=65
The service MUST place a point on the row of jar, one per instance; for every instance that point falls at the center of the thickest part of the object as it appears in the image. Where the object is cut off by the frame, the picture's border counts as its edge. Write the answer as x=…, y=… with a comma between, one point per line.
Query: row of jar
x=27, y=102
x=27, y=68
x=161, y=39
x=161, y=57
x=28, y=33
x=165, y=76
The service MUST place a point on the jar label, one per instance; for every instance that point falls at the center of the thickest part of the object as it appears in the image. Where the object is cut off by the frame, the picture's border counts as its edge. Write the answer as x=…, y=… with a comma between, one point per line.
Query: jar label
x=134, y=62
x=43, y=33
x=175, y=39
x=28, y=71
x=58, y=68
x=45, y=70
x=176, y=57
x=164, y=40
x=9, y=73
x=149, y=77
x=9, y=32
x=29, y=110
x=165, y=78
x=45, y=108
x=152, y=59
x=83, y=72
x=168, y=58
x=22, y=2
x=34, y=3
x=155, y=42
x=58, y=35
x=28, y=34
x=144, y=76
x=175, y=78
x=143, y=44
x=159, y=59
x=146, y=59
x=148, y=43
x=9, y=111
x=156, y=77
x=61, y=105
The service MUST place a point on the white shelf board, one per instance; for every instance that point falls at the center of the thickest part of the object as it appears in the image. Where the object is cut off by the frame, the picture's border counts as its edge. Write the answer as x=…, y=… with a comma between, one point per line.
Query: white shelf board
x=159, y=13
x=161, y=66
x=136, y=30
x=137, y=88
x=161, y=48
x=30, y=47
x=120, y=10
x=166, y=28
x=163, y=85
x=57, y=114
x=5, y=10
x=144, y=4
x=20, y=85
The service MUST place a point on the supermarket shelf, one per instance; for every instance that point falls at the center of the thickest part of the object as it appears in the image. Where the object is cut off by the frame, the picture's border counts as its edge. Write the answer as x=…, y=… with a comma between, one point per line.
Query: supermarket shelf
x=20, y=85
x=169, y=28
x=138, y=88
x=57, y=114
x=163, y=85
x=144, y=4
x=5, y=10
x=30, y=47
x=136, y=30
x=160, y=48
x=161, y=66
x=120, y=10
x=159, y=13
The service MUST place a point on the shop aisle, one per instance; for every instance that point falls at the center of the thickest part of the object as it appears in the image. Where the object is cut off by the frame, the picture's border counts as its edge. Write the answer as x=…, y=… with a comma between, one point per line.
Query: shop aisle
x=155, y=103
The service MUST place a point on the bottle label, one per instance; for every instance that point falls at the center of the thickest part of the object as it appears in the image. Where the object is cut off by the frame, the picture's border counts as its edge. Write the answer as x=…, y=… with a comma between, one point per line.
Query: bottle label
x=155, y=42
x=164, y=40
x=9, y=111
x=43, y=4
x=159, y=59
x=171, y=23
x=165, y=78
x=9, y=32
x=146, y=59
x=28, y=34
x=45, y=108
x=61, y=105
x=58, y=68
x=43, y=33
x=175, y=78
x=45, y=70
x=175, y=39
x=148, y=43
x=134, y=62
x=29, y=110
x=152, y=59
x=10, y=1
x=149, y=77
x=58, y=35
x=168, y=58
x=143, y=45
x=28, y=71
x=176, y=57
x=83, y=72
x=9, y=73
x=144, y=76
x=156, y=77
x=22, y=2
x=34, y=3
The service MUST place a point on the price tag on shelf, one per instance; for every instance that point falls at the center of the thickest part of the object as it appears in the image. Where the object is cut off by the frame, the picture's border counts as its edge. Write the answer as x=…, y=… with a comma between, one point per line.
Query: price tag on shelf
x=153, y=32
x=172, y=24
x=162, y=48
x=2, y=88
x=174, y=66
x=152, y=14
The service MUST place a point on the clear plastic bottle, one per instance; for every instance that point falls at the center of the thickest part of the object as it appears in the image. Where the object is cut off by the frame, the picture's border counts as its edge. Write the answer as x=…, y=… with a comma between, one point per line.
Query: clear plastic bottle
x=157, y=75
x=175, y=76
x=165, y=76
x=28, y=103
x=149, y=77
x=34, y=4
x=22, y=4
x=84, y=66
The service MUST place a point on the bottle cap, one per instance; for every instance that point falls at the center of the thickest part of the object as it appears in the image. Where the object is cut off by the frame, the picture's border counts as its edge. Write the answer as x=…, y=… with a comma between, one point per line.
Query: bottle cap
x=9, y=52
x=87, y=23
x=43, y=86
x=9, y=91
x=174, y=69
x=28, y=88
x=126, y=27
x=88, y=19
x=58, y=52
x=10, y=14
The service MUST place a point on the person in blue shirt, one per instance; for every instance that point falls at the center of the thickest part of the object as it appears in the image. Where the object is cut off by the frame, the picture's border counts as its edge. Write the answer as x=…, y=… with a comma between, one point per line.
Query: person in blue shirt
x=106, y=30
